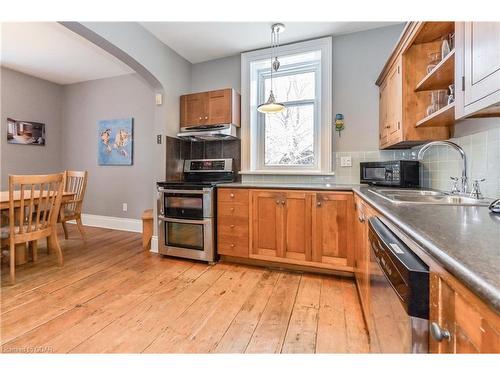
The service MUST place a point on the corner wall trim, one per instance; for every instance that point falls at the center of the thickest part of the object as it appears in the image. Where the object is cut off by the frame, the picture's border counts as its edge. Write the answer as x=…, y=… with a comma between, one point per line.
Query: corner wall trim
x=110, y=222
x=154, y=244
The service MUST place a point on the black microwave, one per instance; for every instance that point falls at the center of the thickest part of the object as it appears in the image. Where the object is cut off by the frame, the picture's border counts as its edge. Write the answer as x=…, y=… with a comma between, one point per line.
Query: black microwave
x=399, y=173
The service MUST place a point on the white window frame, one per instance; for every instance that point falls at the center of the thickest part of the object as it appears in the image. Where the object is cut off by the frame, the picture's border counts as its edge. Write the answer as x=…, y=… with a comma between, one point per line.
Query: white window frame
x=252, y=121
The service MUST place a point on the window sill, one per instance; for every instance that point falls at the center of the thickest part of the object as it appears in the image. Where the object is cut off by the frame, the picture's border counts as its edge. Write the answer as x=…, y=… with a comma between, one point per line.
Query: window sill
x=287, y=173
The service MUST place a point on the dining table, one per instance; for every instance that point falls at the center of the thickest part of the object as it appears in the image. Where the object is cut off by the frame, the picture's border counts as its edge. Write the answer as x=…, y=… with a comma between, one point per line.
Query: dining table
x=21, y=250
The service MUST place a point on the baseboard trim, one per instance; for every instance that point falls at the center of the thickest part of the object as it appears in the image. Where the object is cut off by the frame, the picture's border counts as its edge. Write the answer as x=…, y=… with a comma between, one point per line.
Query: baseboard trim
x=154, y=244
x=110, y=222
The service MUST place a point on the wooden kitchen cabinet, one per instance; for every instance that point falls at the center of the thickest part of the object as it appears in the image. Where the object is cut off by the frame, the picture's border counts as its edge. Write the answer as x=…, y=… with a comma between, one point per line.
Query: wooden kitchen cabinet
x=477, y=75
x=405, y=93
x=290, y=227
x=391, y=107
x=210, y=108
x=281, y=225
x=232, y=222
x=462, y=323
x=332, y=229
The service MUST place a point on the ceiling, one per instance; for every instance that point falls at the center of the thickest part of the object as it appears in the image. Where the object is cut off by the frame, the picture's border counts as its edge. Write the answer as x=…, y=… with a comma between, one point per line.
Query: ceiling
x=203, y=41
x=50, y=51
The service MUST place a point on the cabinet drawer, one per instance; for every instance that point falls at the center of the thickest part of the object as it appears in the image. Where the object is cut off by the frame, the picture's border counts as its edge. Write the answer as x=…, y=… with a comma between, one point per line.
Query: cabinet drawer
x=232, y=195
x=237, y=221
x=231, y=229
x=228, y=209
x=233, y=245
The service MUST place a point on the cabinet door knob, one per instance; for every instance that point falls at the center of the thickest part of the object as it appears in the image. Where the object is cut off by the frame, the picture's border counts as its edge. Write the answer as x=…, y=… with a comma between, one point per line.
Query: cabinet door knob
x=283, y=203
x=231, y=226
x=232, y=209
x=206, y=117
x=277, y=201
x=232, y=245
x=231, y=195
x=318, y=203
x=439, y=334
x=200, y=117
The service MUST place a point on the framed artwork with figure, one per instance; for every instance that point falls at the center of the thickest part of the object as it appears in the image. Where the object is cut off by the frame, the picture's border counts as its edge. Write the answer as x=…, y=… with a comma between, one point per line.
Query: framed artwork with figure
x=115, y=142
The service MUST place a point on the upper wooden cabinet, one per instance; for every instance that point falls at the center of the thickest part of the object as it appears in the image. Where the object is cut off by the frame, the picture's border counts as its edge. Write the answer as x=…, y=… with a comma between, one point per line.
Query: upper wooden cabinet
x=210, y=108
x=477, y=74
x=404, y=88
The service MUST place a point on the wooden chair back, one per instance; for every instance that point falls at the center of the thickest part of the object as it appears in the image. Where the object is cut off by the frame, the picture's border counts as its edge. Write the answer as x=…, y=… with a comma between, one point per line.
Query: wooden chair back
x=34, y=203
x=76, y=182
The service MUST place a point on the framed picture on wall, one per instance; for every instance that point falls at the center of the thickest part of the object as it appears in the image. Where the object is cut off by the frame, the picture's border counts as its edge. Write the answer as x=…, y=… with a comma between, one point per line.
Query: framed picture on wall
x=25, y=132
x=115, y=141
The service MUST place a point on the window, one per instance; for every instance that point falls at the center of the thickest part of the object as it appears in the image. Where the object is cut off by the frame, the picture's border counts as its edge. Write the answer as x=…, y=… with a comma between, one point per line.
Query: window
x=297, y=140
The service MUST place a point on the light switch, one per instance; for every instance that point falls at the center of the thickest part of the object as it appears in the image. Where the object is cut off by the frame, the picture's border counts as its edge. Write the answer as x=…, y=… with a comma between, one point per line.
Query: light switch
x=345, y=161
x=158, y=139
x=159, y=99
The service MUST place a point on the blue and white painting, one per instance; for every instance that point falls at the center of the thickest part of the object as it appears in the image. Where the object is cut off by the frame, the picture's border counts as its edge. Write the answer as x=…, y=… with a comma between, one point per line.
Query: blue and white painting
x=115, y=142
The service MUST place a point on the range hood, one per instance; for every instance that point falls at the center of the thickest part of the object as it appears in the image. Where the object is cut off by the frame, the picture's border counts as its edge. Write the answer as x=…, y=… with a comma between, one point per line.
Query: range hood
x=209, y=133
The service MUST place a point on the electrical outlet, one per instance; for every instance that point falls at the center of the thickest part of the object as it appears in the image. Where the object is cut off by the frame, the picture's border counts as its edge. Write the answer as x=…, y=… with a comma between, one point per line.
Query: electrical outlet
x=158, y=139
x=345, y=161
x=124, y=207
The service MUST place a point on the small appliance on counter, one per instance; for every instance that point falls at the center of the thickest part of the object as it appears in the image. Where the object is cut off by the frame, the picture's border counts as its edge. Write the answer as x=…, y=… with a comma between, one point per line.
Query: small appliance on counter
x=395, y=173
x=186, y=209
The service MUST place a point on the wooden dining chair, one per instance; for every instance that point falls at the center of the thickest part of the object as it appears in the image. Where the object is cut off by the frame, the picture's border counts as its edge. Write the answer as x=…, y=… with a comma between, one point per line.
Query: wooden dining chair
x=76, y=182
x=35, y=215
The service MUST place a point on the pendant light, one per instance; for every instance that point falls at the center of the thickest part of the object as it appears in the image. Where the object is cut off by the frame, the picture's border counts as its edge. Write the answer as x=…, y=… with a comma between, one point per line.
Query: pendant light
x=271, y=106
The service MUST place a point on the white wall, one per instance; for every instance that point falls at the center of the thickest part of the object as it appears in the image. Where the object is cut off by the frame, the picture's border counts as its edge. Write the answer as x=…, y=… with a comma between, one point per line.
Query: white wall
x=24, y=97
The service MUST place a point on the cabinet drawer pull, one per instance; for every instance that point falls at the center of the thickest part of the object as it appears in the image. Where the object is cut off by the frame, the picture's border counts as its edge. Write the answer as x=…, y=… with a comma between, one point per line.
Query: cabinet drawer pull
x=232, y=245
x=439, y=334
x=232, y=209
x=231, y=195
x=231, y=226
x=206, y=117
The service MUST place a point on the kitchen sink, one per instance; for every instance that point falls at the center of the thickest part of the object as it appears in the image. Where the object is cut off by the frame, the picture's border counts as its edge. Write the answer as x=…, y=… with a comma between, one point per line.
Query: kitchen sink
x=400, y=196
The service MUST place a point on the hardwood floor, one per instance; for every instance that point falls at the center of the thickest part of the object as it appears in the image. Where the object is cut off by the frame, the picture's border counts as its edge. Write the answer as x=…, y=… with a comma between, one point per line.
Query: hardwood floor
x=111, y=296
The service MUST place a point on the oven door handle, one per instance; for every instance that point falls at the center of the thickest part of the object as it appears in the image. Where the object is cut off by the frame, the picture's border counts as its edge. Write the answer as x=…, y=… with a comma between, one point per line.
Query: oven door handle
x=184, y=221
x=180, y=191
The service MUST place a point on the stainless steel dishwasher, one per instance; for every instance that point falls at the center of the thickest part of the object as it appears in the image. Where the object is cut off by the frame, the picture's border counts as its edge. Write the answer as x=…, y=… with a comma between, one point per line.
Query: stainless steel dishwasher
x=399, y=291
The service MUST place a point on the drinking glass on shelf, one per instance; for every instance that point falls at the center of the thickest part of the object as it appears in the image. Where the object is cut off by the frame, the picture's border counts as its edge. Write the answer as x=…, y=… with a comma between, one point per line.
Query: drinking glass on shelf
x=434, y=59
x=451, y=97
x=451, y=40
x=445, y=47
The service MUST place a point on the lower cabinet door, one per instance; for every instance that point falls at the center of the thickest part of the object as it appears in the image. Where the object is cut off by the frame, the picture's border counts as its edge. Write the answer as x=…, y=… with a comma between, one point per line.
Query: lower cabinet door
x=333, y=229
x=297, y=226
x=267, y=224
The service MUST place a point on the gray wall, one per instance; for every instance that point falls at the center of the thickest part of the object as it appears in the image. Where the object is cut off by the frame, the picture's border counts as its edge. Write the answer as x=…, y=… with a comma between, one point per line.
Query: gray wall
x=84, y=104
x=358, y=59
x=217, y=74
x=24, y=97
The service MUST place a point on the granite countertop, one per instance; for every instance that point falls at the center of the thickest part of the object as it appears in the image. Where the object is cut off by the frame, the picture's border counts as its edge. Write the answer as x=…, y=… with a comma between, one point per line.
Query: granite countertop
x=465, y=240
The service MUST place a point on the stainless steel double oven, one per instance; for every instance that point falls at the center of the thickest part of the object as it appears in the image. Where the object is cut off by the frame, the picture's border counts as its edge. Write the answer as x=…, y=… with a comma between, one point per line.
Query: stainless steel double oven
x=186, y=210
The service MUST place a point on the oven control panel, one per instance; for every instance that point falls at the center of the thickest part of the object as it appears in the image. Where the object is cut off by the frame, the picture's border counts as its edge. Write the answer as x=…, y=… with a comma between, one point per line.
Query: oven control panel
x=208, y=165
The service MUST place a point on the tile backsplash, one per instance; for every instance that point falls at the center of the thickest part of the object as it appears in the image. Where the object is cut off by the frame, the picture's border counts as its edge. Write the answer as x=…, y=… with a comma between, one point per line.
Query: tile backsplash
x=439, y=164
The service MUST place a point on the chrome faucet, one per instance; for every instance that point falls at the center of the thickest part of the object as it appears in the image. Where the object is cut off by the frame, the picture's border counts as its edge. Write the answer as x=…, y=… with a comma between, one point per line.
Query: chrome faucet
x=464, y=180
